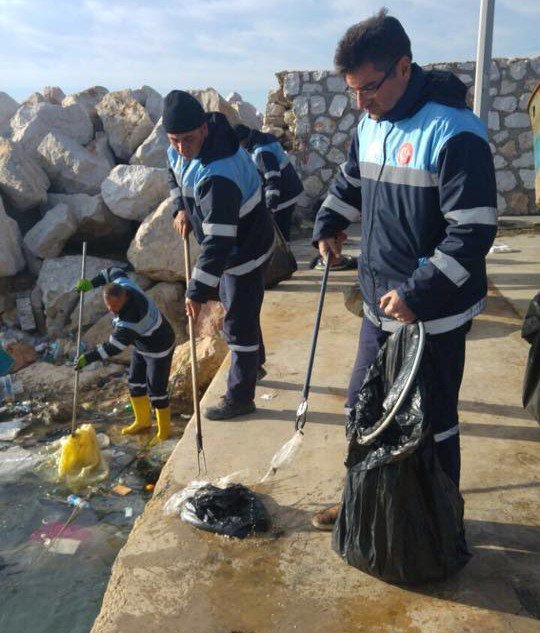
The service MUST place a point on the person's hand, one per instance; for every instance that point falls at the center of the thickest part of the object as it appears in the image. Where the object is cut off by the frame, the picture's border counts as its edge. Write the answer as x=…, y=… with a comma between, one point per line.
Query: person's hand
x=393, y=305
x=83, y=285
x=181, y=223
x=332, y=246
x=193, y=309
x=80, y=362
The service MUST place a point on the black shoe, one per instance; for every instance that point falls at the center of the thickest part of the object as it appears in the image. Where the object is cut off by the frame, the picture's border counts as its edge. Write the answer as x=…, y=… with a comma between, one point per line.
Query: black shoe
x=261, y=373
x=227, y=409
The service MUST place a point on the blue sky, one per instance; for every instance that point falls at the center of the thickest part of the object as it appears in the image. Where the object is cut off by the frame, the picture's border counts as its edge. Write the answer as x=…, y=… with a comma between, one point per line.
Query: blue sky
x=228, y=44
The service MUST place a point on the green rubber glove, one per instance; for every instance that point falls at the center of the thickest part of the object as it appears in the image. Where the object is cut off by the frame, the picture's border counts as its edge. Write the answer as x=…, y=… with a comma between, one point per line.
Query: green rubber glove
x=83, y=285
x=80, y=362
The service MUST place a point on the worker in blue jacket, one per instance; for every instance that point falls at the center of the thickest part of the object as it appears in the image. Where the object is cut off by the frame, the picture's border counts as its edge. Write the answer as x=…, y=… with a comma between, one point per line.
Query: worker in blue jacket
x=420, y=175
x=217, y=193
x=281, y=184
x=137, y=321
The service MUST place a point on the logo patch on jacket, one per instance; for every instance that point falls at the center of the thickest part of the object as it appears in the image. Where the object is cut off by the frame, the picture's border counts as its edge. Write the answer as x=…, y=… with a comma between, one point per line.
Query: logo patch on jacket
x=405, y=153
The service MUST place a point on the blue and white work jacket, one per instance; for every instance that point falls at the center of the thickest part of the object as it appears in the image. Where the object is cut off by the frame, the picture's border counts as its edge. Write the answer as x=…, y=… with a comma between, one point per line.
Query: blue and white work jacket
x=221, y=191
x=422, y=181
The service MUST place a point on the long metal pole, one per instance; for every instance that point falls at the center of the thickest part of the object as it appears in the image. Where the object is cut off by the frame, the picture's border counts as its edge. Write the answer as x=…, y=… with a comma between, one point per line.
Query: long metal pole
x=482, y=100
x=79, y=330
x=194, y=371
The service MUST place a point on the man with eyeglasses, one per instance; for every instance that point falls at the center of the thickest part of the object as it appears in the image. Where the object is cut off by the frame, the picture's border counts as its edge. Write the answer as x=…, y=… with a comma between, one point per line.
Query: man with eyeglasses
x=420, y=176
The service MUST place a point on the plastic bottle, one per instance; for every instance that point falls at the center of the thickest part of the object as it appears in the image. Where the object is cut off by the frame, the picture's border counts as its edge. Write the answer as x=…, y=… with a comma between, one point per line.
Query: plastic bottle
x=76, y=501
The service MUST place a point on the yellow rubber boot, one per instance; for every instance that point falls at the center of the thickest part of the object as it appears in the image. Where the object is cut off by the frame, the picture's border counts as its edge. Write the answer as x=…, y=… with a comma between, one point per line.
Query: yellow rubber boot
x=141, y=408
x=164, y=426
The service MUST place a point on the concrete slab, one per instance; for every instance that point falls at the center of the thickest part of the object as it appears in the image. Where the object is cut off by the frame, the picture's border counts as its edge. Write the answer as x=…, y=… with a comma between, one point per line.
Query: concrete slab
x=172, y=578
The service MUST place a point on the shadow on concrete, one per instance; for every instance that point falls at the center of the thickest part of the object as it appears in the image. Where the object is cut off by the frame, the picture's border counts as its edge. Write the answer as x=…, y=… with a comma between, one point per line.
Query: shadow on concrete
x=291, y=386
x=487, y=489
x=492, y=408
x=504, y=554
x=501, y=432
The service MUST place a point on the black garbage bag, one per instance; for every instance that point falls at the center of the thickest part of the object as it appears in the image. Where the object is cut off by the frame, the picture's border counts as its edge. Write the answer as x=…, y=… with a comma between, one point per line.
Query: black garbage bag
x=232, y=511
x=282, y=264
x=531, y=382
x=401, y=518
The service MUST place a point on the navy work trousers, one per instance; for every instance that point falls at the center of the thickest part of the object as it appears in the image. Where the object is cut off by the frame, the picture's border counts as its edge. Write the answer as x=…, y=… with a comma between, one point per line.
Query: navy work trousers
x=447, y=352
x=150, y=375
x=242, y=297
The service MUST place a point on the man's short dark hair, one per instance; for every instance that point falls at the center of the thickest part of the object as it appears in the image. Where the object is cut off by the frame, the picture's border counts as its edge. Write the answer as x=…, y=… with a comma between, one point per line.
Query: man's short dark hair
x=114, y=290
x=380, y=40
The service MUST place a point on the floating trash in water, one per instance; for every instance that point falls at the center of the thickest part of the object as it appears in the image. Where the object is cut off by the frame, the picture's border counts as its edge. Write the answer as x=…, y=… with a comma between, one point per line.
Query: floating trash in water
x=63, y=546
x=121, y=490
x=128, y=512
x=76, y=501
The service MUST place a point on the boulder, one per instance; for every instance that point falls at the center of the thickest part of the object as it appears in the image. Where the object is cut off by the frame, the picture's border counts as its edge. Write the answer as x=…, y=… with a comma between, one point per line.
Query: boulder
x=23, y=354
x=11, y=256
x=125, y=122
x=88, y=99
x=56, y=280
x=8, y=107
x=157, y=250
x=99, y=146
x=71, y=167
x=133, y=191
x=53, y=94
x=34, y=98
x=211, y=352
x=153, y=103
x=169, y=298
x=210, y=321
x=31, y=123
x=247, y=113
x=22, y=180
x=94, y=220
x=99, y=332
x=212, y=101
x=153, y=152
x=47, y=238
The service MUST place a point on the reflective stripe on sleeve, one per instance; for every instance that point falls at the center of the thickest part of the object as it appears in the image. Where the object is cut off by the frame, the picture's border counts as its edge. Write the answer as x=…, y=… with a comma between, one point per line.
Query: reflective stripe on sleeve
x=477, y=215
x=223, y=230
x=345, y=209
x=205, y=278
x=101, y=351
x=450, y=267
x=243, y=348
x=271, y=174
x=116, y=343
x=354, y=182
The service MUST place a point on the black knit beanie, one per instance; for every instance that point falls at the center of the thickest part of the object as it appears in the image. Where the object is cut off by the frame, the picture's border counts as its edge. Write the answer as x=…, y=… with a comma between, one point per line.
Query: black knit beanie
x=242, y=131
x=182, y=112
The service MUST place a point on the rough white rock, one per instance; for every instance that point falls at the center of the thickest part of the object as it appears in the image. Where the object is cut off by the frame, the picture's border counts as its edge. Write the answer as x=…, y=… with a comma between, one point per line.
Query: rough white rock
x=56, y=280
x=70, y=167
x=157, y=250
x=275, y=110
x=101, y=149
x=8, y=107
x=336, y=83
x=517, y=120
x=22, y=180
x=494, y=121
x=133, y=191
x=499, y=162
x=300, y=106
x=525, y=160
x=314, y=163
x=53, y=94
x=47, y=238
x=88, y=99
x=11, y=256
x=317, y=105
x=291, y=84
x=340, y=138
x=302, y=126
x=310, y=89
x=507, y=87
x=94, y=219
x=525, y=140
x=153, y=152
x=247, y=113
x=326, y=174
x=169, y=298
x=125, y=122
x=319, y=75
x=276, y=96
x=506, y=180
x=336, y=156
x=324, y=125
x=517, y=68
x=212, y=101
x=153, y=103
x=501, y=204
x=34, y=99
x=312, y=186
x=31, y=123
x=527, y=177
x=505, y=104
x=338, y=105
x=320, y=143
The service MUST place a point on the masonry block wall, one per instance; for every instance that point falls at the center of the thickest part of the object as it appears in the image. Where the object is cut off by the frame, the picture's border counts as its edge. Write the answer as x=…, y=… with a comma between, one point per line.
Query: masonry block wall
x=314, y=118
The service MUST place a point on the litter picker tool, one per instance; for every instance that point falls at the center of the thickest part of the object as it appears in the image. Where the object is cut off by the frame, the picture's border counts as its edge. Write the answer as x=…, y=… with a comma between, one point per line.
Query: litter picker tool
x=194, y=371
x=80, y=458
x=287, y=452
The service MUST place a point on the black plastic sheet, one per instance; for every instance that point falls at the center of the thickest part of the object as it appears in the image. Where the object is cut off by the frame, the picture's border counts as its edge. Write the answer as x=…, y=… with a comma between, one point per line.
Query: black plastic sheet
x=231, y=511
x=282, y=264
x=531, y=383
x=402, y=516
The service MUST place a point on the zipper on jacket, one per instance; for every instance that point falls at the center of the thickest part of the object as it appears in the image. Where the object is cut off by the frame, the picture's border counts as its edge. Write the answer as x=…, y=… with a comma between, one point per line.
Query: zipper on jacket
x=370, y=231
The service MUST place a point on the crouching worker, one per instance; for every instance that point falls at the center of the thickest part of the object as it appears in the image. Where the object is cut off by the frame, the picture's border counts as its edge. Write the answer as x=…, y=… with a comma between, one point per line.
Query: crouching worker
x=282, y=185
x=217, y=193
x=137, y=321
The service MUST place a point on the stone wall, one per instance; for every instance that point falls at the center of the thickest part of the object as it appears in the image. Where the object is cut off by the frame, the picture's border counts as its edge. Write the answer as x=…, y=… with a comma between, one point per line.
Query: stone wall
x=314, y=118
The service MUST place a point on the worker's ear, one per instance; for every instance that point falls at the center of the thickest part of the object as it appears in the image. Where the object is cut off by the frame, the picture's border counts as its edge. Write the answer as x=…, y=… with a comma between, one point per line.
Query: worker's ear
x=403, y=68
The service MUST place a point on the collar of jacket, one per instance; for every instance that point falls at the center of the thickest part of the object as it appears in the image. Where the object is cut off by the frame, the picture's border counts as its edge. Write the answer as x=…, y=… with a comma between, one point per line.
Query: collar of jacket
x=256, y=138
x=436, y=85
x=221, y=141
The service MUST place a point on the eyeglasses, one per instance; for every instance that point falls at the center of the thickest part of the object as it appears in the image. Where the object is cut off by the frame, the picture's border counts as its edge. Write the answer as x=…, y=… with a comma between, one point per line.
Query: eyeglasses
x=372, y=88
